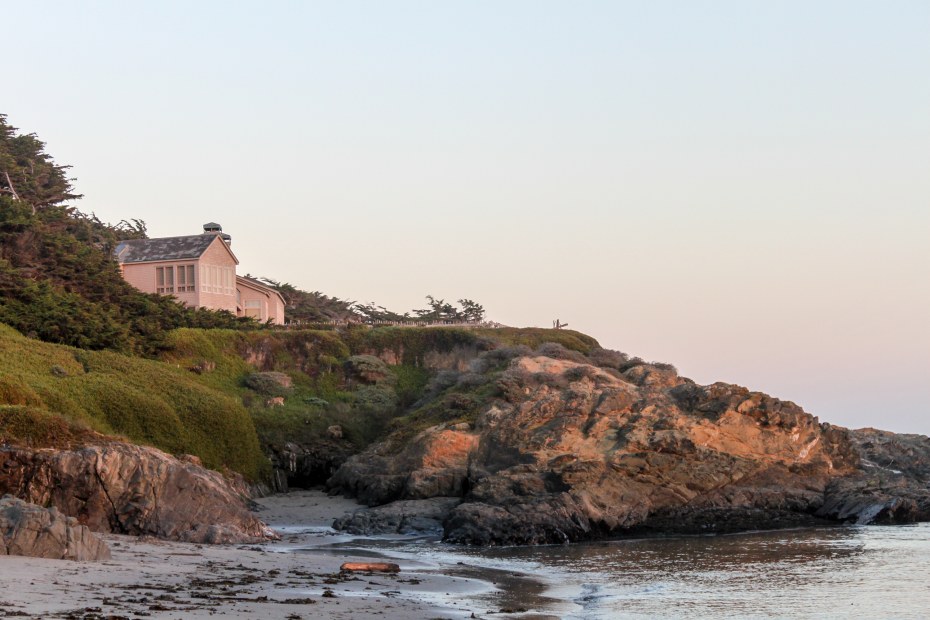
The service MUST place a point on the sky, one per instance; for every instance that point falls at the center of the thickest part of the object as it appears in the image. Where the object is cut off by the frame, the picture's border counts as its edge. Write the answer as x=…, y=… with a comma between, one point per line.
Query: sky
x=740, y=188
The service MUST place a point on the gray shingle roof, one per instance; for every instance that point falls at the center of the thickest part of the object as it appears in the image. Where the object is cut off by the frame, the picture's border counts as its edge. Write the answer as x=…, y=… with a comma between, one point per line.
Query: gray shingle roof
x=165, y=248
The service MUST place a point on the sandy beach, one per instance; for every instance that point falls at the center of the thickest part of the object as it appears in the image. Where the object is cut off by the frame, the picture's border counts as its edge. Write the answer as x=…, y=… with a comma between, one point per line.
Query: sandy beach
x=289, y=578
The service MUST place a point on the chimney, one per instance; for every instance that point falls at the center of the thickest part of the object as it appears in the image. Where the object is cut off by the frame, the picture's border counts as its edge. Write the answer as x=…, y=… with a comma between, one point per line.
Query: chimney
x=212, y=228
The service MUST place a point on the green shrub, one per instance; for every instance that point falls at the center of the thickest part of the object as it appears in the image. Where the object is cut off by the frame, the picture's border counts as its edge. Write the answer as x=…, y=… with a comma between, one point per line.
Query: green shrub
x=534, y=337
x=146, y=401
x=409, y=383
x=269, y=383
x=368, y=368
x=13, y=392
x=38, y=428
x=379, y=397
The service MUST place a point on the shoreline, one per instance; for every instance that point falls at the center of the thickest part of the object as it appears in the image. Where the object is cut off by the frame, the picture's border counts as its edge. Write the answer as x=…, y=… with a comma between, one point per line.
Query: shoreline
x=296, y=577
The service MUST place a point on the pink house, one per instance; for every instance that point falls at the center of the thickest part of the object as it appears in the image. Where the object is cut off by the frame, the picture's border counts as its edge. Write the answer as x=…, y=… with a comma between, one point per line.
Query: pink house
x=200, y=271
x=259, y=301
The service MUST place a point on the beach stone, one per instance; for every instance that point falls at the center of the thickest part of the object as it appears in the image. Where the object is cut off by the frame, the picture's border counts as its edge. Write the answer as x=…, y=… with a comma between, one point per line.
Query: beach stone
x=31, y=530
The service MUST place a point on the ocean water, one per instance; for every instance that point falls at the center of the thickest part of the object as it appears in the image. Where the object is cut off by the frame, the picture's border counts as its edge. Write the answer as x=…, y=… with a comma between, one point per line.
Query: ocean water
x=841, y=572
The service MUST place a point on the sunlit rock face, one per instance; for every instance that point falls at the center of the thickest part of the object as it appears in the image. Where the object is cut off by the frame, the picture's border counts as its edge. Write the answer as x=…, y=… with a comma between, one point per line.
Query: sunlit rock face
x=571, y=451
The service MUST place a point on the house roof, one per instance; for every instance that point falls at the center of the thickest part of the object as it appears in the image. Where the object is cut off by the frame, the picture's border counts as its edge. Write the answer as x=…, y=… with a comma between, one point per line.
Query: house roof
x=165, y=248
x=260, y=286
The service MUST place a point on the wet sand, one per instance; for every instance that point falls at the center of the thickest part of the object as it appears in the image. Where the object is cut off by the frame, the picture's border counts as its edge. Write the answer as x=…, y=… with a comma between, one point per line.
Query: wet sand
x=285, y=579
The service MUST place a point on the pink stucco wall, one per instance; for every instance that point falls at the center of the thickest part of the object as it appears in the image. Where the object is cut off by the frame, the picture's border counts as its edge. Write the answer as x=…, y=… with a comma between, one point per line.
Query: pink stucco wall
x=269, y=305
x=142, y=276
x=223, y=295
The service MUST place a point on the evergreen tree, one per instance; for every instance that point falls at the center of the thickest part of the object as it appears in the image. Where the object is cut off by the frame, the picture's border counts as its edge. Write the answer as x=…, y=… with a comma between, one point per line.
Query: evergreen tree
x=58, y=279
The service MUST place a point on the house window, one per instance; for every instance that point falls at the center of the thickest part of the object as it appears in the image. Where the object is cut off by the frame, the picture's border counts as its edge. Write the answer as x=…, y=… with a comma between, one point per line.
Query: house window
x=217, y=279
x=186, y=278
x=164, y=280
x=253, y=308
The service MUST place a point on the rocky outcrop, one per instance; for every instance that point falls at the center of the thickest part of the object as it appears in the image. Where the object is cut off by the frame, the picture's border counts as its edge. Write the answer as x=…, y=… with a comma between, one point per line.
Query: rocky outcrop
x=130, y=489
x=27, y=529
x=891, y=485
x=572, y=451
x=435, y=464
x=414, y=516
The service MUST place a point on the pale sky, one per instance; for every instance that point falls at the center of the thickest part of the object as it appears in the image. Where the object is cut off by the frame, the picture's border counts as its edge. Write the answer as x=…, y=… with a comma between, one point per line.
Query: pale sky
x=739, y=188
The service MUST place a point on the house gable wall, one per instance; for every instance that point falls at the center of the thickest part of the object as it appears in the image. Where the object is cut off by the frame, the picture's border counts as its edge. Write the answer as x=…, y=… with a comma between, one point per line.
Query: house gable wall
x=260, y=304
x=216, y=287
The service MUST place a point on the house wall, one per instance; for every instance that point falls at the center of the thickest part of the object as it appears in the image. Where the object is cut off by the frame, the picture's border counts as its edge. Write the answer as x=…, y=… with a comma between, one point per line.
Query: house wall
x=216, y=287
x=143, y=277
x=214, y=278
x=276, y=310
x=260, y=304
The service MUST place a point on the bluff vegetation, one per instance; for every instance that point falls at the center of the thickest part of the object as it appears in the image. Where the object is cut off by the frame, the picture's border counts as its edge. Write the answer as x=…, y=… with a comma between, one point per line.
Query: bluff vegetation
x=85, y=356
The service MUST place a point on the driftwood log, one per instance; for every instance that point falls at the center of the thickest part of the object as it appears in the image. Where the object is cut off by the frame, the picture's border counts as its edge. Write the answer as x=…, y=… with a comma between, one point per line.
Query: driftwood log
x=370, y=567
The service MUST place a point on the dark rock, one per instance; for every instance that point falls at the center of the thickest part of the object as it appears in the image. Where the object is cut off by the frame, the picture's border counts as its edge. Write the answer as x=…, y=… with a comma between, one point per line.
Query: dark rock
x=424, y=516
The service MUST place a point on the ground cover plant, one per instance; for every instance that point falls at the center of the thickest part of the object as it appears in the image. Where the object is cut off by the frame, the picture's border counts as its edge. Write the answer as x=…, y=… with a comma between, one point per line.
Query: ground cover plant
x=53, y=395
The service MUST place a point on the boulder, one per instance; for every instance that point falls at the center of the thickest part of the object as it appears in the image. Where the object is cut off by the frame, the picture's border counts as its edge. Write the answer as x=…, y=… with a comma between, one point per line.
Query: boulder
x=30, y=530
x=129, y=489
x=434, y=464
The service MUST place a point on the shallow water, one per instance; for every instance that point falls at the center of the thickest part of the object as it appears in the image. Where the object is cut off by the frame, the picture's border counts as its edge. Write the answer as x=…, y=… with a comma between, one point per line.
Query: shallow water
x=866, y=571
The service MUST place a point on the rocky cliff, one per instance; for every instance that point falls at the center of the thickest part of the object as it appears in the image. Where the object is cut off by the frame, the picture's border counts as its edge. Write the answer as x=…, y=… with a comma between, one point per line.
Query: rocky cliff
x=130, y=489
x=566, y=449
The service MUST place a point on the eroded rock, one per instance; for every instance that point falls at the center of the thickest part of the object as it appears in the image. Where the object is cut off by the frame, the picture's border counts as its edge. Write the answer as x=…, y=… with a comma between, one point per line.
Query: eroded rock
x=571, y=451
x=30, y=530
x=129, y=489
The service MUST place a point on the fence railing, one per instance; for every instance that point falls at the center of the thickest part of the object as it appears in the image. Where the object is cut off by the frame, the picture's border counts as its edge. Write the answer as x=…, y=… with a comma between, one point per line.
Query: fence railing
x=346, y=323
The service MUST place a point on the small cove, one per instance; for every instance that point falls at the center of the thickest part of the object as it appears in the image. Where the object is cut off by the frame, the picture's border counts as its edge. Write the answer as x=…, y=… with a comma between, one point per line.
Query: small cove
x=867, y=571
